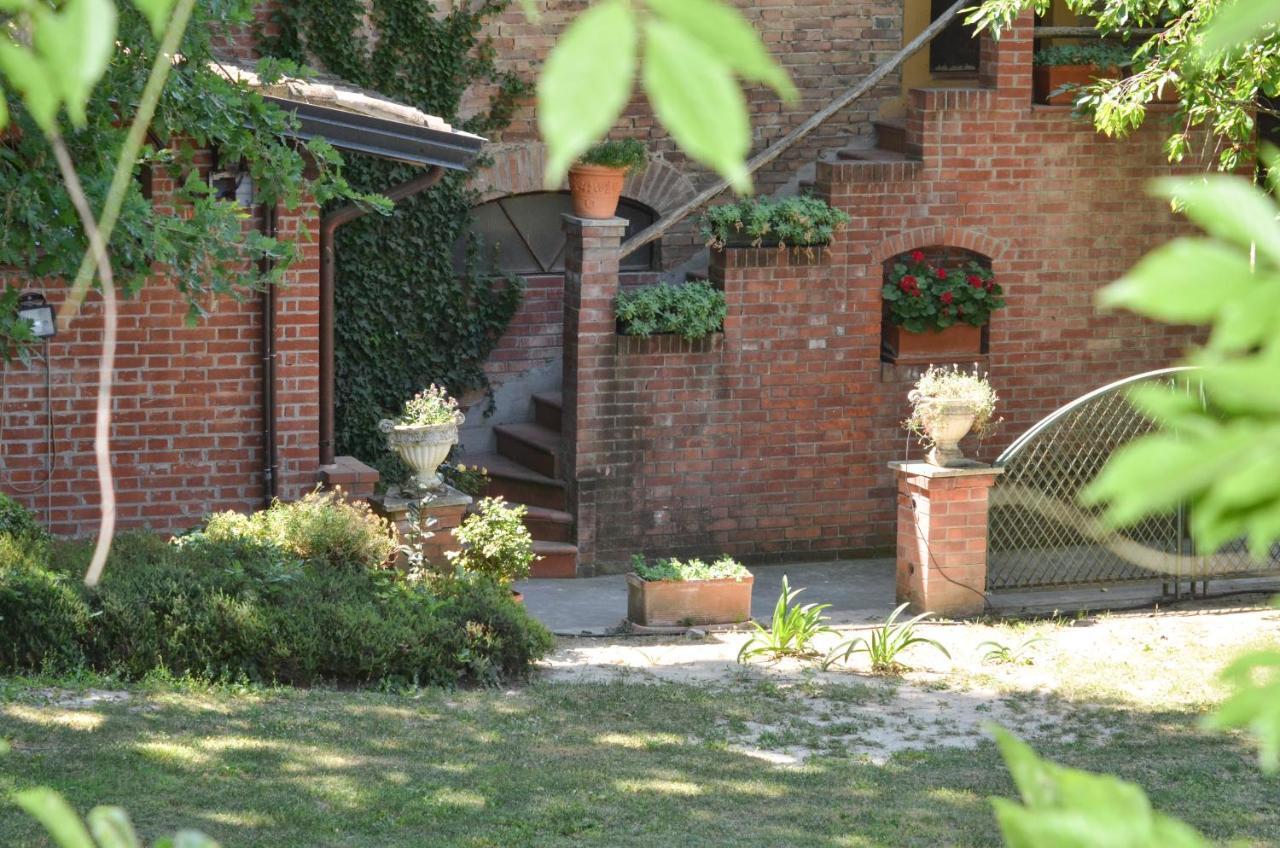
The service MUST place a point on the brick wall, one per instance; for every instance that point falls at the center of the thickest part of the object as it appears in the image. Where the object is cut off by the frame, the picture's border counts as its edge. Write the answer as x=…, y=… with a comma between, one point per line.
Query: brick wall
x=187, y=433
x=771, y=442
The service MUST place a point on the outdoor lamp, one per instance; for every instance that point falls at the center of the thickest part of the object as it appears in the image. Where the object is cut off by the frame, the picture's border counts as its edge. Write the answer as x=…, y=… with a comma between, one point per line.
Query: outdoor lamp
x=33, y=308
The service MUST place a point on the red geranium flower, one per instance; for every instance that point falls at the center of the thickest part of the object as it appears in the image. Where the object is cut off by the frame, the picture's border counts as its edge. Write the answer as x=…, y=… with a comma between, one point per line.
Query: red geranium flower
x=991, y=284
x=907, y=283
x=947, y=297
x=975, y=281
x=917, y=256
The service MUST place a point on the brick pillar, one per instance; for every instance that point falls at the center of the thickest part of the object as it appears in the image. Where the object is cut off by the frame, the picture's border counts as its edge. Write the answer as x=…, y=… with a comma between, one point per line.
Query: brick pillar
x=942, y=537
x=590, y=287
x=356, y=480
x=1005, y=64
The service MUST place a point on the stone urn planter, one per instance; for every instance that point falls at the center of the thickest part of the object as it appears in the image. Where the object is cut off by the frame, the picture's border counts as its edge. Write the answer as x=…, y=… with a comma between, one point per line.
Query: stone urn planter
x=946, y=405
x=422, y=447
x=688, y=603
x=947, y=423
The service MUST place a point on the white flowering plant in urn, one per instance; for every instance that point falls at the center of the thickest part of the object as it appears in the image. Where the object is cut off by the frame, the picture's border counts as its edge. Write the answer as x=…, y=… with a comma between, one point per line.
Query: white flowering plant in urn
x=946, y=405
x=424, y=432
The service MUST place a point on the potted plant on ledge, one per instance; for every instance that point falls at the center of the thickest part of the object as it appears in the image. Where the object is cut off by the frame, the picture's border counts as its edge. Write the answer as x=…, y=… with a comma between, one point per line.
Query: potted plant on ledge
x=424, y=432
x=595, y=182
x=934, y=311
x=1059, y=70
x=761, y=222
x=946, y=405
x=672, y=593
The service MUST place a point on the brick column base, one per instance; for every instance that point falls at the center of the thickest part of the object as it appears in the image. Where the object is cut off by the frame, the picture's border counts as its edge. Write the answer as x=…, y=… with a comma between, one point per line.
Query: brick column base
x=356, y=480
x=438, y=513
x=942, y=537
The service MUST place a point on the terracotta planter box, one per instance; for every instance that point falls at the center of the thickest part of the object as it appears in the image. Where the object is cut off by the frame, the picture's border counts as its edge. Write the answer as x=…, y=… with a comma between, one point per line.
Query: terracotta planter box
x=683, y=603
x=957, y=340
x=1049, y=78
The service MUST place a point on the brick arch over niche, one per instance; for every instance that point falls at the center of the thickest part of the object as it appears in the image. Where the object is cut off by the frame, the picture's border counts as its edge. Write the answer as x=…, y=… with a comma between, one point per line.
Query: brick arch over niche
x=940, y=236
x=518, y=168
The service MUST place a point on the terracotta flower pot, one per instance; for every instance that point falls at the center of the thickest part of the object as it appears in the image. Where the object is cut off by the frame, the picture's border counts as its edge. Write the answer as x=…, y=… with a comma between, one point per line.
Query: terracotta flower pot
x=687, y=603
x=932, y=345
x=595, y=189
x=1047, y=79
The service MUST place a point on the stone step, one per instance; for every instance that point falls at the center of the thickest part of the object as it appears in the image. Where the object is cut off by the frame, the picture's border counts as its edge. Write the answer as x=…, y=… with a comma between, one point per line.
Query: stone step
x=873, y=154
x=805, y=186
x=532, y=445
x=548, y=410
x=518, y=483
x=548, y=525
x=555, y=559
x=891, y=135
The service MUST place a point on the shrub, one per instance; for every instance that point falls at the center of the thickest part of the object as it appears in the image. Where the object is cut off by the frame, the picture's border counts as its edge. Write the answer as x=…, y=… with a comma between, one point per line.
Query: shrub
x=791, y=222
x=693, y=310
x=43, y=618
x=694, y=569
x=628, y=154
x=321, y=529
x=17, y=521
x=495, y=542
x=1100, y=55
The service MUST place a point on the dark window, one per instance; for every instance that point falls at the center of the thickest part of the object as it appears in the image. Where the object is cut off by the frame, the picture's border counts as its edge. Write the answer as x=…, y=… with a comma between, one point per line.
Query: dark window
x=954, y=50
x=522, y=233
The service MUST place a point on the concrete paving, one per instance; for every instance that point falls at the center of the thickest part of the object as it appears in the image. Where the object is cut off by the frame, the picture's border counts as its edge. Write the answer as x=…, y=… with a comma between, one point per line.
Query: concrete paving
x=858, y=591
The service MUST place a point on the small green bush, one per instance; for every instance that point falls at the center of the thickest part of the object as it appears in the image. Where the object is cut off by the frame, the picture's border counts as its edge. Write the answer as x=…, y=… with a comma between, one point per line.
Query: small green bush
x=17, y=521
x=628, y=154
x=693, y=310
x=495, y=542
x=1101, y=55
x=322, y=529
x=790, y=222
x=43, y=618
x=694, y=569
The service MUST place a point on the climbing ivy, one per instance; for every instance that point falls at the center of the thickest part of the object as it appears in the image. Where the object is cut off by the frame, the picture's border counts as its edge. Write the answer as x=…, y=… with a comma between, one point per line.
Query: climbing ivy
x=405, y=318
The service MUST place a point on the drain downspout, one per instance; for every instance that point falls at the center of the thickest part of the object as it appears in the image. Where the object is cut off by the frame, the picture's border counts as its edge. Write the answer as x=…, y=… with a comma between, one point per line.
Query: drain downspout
x=328, y=225
x=270, y=457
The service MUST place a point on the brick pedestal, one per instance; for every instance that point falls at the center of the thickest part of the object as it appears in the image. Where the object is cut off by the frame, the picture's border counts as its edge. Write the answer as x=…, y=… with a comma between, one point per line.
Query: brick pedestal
x=942, y=537
x=356, y=480
x=446, y=507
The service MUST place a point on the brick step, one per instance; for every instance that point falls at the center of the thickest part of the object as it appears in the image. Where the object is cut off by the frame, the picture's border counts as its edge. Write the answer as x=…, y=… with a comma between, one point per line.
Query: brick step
x=532, y=445
x=548, y=525
x=518, y=483
x=891, y=135
x=556, y=559
x=548, y=410
x=873, y=154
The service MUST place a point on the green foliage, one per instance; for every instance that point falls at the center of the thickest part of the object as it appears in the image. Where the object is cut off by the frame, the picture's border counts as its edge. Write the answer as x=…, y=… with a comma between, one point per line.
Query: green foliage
x=628, y=154
x=432, y=405
x=405, y=317
x=322, y=529
x=923, y=296
x=468, y=479
x=886, y=643
x=495, y=542
x=1254, y=703
x=693, y=50
x=692, y=310
x=240, y=607
x=1100, y=54
x=42, y=619
x=939, y=387
x=724, y=568
x=1222, y=82
x=790, y=222
x=1067, y=808
x=108, y=827
x=997, y=653
x=17, y=521
x=791, y=632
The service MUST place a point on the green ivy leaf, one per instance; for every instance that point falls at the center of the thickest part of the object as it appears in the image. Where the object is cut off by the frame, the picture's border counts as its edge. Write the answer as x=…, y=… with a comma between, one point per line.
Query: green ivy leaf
x=76, y=44
x=156, y=12
x=697, y=99
x=726, y=33
x=585, y=83
x=1187, y=280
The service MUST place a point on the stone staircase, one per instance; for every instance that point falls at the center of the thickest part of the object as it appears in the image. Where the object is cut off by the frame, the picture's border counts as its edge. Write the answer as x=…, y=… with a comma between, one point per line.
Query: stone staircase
x=527, y=470
x=891, y=146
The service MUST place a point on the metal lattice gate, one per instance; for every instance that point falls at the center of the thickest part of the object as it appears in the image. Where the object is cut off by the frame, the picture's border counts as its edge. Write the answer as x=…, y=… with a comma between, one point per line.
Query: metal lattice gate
x=1038, y=534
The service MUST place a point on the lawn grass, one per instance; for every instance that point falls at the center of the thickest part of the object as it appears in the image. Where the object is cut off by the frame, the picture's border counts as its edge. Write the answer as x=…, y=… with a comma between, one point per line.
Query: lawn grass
x=553, y=764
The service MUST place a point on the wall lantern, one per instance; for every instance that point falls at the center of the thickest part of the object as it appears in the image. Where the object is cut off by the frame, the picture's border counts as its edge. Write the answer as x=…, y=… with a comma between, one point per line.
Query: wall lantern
x=33, y=308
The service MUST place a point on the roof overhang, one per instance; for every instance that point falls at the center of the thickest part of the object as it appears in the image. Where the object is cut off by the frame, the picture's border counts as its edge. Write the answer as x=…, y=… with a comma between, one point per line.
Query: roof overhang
x=397, y=140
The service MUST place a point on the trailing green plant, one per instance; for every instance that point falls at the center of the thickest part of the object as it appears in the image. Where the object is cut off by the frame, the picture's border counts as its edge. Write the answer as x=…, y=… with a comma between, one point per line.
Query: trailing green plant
x=923, y=296
x=724, y=568
x=803, y=221
x=628, y=154
x=1099, y=54
x=495, y=542
x=791, y=632
x=886, y=643
x=17, y=521
x=998, y=653
x=322, y=529
x=406, y=316
x=940, y=387
x=431, y=406
x=693, y=310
